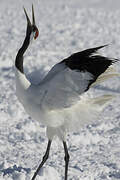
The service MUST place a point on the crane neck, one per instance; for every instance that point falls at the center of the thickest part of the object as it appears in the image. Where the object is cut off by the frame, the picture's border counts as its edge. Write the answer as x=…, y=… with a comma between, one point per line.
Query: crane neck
x=22, y=82
x=19, y=57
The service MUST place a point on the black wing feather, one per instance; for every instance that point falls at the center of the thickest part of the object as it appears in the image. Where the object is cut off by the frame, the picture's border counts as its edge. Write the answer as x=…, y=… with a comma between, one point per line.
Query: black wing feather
x=87, y=61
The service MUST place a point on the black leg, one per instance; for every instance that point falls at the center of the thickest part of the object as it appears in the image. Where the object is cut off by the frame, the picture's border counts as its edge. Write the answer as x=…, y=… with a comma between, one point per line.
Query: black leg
x=66, y=159
x=45, y=157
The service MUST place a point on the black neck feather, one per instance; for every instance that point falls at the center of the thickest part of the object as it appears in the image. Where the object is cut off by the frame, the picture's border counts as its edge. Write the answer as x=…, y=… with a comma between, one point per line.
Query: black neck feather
x=19, y=57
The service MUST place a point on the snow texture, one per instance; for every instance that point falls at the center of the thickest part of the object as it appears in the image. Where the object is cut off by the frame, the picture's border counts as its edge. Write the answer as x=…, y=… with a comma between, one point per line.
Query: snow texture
x=65, y=27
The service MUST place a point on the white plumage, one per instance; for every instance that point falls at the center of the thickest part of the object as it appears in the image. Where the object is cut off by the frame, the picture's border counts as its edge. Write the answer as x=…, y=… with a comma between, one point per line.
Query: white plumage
x=58, y=101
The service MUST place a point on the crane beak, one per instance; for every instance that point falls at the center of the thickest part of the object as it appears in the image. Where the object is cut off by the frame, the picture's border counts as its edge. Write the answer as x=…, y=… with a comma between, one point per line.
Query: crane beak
x=28, y=20
x=33, y=16
x=32, y=26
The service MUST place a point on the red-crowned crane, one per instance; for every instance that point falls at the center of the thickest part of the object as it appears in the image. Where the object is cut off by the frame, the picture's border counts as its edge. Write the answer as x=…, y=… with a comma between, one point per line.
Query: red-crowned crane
x=58, y=100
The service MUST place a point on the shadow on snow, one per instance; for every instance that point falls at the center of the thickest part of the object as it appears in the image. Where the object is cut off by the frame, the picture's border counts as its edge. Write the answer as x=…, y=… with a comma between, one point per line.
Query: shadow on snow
x=11, y=170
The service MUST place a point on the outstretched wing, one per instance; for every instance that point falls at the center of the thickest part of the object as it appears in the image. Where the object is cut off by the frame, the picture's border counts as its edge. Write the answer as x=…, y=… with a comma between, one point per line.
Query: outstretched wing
x=70, y=78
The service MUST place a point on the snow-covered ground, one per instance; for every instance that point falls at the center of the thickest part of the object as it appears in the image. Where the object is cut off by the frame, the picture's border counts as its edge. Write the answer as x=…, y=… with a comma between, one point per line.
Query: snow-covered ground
x=66, y=26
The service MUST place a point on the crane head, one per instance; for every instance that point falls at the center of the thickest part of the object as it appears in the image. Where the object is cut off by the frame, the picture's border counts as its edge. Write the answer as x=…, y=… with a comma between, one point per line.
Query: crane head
x=32, y=29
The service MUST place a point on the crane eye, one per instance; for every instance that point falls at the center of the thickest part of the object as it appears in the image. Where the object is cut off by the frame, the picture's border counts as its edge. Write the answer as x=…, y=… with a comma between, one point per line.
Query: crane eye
x=34, y=34
x=35, y=31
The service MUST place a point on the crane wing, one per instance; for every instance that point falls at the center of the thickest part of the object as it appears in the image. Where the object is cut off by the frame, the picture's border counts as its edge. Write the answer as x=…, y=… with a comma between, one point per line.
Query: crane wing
x=64, y=87
x=70, y=78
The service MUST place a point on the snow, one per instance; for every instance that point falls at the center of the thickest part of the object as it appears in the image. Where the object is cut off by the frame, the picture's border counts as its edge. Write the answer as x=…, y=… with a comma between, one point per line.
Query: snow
x=65, y=27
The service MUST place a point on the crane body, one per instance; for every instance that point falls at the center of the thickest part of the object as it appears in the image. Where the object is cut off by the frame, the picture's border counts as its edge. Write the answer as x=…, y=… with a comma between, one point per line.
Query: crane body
x=58, y=101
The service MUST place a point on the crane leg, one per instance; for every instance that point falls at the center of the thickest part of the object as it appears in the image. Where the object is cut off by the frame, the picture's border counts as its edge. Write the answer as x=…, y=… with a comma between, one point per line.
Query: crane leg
x=67, y=157
x=45, y=157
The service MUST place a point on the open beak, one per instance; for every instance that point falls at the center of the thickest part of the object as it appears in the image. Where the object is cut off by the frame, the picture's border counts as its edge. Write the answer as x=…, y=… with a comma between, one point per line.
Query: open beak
x=32, y=25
